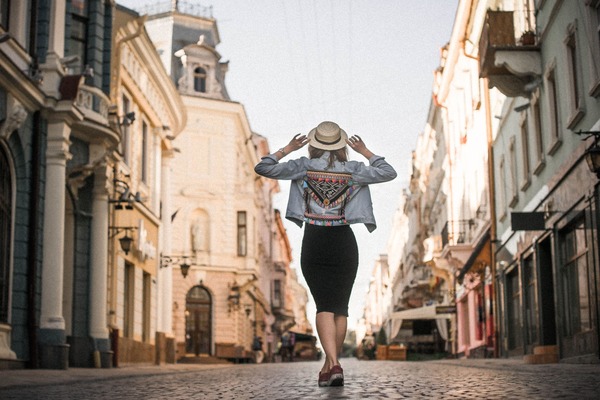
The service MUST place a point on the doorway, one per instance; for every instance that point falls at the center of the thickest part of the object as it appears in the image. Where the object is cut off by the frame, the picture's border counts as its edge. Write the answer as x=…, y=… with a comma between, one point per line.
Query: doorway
x=198, y=321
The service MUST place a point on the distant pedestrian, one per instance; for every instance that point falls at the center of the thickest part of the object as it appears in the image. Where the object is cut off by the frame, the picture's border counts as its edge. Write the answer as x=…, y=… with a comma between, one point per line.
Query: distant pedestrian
x=329, y=193
x=257, y=347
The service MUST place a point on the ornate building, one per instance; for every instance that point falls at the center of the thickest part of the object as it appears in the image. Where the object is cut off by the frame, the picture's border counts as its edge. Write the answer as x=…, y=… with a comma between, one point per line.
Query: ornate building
x=222, y=217
x=149, y=114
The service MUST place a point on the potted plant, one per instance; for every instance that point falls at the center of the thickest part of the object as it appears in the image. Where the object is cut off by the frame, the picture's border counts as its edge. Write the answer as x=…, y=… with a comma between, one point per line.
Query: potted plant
x=528, y=38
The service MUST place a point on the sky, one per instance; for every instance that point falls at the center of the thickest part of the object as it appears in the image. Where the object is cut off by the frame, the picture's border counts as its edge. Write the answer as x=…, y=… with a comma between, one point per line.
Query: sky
x=366, y=65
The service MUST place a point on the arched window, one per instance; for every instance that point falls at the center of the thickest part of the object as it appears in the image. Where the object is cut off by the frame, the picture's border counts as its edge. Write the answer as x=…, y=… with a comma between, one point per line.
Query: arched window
x=6, y=194
x=200, y=80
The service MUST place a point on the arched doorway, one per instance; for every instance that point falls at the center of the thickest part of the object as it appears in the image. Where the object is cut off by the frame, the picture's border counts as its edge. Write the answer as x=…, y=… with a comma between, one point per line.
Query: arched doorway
x=198, y=320
x=6, y=205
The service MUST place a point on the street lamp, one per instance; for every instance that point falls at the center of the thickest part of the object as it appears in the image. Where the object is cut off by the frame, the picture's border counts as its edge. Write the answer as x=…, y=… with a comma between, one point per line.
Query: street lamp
x=125, y=241
x=592, y=154
x=182, y=261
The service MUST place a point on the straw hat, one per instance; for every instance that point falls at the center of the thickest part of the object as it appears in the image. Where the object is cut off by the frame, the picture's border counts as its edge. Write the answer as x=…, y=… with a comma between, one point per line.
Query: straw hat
x=327, y=136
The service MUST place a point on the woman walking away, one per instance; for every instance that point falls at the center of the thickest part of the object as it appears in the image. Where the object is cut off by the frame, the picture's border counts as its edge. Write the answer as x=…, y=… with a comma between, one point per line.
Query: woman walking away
x=329, y=193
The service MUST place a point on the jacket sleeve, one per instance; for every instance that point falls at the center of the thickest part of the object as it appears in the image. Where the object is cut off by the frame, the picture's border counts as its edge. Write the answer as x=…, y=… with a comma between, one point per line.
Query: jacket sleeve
x=269, y=167
x=377, y=171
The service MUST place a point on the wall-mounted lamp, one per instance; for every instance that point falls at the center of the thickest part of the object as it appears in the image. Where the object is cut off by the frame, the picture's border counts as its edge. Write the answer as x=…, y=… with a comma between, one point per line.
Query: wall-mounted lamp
x=123, y=198
x=126, y=241
x=248, y=309
x=233, y=299
x=128, y=119
x=88, y=71
x=592, y=154
x=182, y=261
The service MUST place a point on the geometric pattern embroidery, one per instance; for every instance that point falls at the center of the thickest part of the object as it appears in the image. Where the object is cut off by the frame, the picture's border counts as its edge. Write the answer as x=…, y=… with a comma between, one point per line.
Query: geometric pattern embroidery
x=327, y=189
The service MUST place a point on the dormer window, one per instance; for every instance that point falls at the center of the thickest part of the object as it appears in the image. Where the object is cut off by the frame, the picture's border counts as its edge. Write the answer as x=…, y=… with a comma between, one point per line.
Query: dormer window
x=200, y=80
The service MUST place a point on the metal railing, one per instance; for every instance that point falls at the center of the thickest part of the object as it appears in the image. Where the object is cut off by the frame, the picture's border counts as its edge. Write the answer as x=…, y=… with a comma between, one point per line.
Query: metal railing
x=458, y=232
x=183, y=7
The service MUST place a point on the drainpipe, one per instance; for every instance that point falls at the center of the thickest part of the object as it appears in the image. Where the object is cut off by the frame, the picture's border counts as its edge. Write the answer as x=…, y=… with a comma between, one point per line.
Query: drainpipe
x=492, y=202
x=34, y=223
x=116, y=68
x=32, y=245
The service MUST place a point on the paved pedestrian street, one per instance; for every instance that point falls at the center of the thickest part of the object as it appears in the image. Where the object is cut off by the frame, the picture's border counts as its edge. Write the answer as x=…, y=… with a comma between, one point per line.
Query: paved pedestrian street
x=445, y=379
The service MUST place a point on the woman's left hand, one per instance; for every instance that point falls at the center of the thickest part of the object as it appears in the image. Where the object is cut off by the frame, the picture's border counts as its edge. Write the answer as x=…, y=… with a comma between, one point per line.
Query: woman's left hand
x=356, y=143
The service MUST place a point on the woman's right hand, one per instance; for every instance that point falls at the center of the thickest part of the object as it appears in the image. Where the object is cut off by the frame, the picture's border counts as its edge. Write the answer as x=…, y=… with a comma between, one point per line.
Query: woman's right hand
x=296, y=143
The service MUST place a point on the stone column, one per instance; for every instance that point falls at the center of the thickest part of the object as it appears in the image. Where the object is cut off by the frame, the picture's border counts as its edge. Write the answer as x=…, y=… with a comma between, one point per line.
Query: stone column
x=99, y=261
x=53, y=350
x=52, y=68
x=166, y=274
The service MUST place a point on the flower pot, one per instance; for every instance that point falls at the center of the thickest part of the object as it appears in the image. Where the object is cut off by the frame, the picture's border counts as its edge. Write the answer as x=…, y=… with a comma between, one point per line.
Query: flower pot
x=382, y=352
x=528, y=38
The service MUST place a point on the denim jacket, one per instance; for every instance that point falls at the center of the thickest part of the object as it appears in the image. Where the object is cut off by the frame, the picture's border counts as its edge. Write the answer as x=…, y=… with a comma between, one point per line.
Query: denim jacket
x=359, y=208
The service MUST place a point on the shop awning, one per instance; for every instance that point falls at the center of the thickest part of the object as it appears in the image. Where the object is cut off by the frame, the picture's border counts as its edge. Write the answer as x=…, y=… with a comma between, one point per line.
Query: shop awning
x=425, y=312
x=481, y=252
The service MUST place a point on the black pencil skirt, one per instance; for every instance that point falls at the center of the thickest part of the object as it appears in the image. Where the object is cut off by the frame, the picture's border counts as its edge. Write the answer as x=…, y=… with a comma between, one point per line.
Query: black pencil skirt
x=329, y=262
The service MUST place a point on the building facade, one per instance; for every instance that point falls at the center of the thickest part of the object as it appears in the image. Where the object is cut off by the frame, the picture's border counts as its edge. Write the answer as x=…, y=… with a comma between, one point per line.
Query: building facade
x=506, y=206
x=149, y=114
x=57, y=146
x=546, y=197
x=223, y=221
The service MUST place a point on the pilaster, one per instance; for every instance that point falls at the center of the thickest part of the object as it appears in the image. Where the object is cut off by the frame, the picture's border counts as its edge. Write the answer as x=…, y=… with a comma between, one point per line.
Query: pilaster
x=54, y=351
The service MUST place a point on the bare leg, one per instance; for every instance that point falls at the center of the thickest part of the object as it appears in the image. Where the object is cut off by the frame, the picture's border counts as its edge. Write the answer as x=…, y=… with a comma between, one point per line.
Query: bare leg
x=341, y=325
x=327, y=330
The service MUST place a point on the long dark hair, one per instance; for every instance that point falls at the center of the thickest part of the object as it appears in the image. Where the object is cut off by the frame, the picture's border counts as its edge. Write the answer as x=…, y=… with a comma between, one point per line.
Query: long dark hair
x=339, y=154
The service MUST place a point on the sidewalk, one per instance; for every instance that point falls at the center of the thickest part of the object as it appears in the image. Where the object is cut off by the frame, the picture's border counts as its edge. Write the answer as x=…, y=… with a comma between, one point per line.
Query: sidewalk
x=36, y=377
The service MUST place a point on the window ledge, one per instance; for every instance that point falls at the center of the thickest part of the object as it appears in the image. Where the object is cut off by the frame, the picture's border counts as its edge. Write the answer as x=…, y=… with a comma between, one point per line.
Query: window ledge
x=525, y=184
x=539, y=167
x=576, y=116
x=554, y=146
x=513, y=201
x=595, y=89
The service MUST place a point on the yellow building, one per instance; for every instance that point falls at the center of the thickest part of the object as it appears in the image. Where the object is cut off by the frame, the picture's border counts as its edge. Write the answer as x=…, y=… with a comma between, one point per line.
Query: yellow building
x=149, y=114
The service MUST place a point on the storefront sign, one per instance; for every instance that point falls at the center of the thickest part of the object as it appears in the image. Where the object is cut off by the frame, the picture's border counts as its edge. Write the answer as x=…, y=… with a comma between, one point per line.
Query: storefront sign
x=146, y=248
x=445, y=309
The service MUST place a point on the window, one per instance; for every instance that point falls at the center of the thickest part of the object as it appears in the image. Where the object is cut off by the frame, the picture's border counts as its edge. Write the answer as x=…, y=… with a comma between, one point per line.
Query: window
x=146, y=306
x=242, y=234
x=77, y=45
x=525, y=152
x=200, y=80
x=125, y=130
x=4, y=10
x=6, y=204
x=538, y=135
x=574, y=279
x=277, y=293
x=513, y=173
x=463, y=307
x=144, y=155
x=553, y=110
x=502, y=189
x=593, y=17
x=513, y=293
x=129, y=300
x=531, y=310
x=575, y=98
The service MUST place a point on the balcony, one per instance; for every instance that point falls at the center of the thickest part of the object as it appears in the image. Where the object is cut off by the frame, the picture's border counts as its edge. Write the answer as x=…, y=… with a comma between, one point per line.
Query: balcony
x=460, y=232
x=510, y=64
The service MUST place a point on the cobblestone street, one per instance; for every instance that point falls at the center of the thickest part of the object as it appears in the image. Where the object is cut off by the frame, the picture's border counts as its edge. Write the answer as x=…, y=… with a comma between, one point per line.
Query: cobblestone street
x=447, y=379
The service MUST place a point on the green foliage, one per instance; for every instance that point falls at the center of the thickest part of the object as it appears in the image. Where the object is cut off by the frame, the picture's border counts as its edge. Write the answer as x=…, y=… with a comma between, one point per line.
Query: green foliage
x=381, y=337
